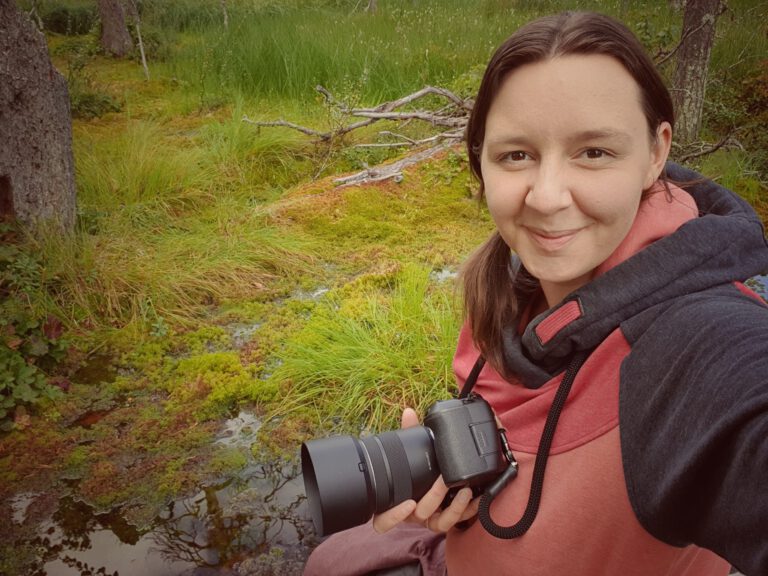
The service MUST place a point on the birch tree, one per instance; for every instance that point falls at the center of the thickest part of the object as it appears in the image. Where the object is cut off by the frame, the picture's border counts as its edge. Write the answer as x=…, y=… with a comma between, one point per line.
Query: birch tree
x=690, y=81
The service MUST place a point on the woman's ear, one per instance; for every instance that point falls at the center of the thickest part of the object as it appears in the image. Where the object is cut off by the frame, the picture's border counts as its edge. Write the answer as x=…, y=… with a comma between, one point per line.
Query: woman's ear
x=659, y=153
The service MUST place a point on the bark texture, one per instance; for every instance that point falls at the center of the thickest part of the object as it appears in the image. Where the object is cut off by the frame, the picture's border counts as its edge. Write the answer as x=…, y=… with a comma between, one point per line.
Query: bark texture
x=690, y=82
x=37, y=172
x=115, y=37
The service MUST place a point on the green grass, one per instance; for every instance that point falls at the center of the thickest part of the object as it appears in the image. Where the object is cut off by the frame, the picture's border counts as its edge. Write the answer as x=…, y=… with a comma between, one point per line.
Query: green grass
x=146, y=264
x=183, y=207
x=358, y=56
x=372, y=349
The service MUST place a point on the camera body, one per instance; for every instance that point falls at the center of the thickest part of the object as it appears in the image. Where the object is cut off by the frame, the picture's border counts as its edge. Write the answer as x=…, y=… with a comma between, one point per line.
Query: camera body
x=348, y=479
x=466, y=441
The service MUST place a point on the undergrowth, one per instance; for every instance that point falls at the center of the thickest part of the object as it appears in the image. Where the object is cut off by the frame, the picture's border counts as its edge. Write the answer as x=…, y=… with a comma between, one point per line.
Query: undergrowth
x=31, y=342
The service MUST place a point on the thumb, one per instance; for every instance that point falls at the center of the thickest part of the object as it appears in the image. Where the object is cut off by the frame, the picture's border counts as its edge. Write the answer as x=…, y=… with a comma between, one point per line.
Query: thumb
x=409, y=418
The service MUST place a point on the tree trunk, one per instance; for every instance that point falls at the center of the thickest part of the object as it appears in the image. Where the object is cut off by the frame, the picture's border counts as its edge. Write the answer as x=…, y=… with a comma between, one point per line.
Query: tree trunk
x=690, y=82
x=37, y=169
x=115, y=38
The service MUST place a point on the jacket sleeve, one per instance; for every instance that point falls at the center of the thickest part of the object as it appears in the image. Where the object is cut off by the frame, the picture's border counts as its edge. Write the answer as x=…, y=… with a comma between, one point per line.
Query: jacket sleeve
x=694, y=425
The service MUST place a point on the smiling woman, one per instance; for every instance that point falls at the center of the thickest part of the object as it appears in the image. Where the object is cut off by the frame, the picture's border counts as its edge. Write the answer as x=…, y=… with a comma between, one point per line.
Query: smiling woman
x=607, y=325
x=564, y=173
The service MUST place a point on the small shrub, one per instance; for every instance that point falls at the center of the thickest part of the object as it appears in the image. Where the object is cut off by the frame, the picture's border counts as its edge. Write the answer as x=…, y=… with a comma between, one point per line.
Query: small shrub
x=29, y=345
x=86, y=99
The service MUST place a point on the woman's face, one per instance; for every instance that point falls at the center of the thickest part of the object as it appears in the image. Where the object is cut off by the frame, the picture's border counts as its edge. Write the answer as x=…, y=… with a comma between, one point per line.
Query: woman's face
x=566, y=157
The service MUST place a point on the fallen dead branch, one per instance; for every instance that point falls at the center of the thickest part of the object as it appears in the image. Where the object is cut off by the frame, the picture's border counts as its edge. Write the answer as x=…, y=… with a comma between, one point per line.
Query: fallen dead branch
x=387, y=171
x=451, y=120
x=699, y=149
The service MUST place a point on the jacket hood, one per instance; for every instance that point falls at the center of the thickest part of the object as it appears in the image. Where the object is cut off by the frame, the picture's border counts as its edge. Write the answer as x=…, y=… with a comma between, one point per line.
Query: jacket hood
x=670, y=251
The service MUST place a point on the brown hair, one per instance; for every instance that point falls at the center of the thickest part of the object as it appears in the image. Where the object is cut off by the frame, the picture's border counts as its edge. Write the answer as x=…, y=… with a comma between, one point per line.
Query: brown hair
x=493, y=291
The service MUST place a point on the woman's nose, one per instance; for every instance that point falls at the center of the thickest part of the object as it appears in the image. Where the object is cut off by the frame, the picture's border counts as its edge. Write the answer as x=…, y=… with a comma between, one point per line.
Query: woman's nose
x=548, y=192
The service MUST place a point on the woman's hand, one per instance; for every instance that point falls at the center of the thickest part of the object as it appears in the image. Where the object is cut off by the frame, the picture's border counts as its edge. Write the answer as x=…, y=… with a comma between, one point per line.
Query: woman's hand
x=427, y=511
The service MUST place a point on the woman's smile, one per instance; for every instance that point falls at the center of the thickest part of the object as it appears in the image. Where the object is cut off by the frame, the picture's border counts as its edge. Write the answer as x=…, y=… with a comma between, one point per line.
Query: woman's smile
x=554, y=240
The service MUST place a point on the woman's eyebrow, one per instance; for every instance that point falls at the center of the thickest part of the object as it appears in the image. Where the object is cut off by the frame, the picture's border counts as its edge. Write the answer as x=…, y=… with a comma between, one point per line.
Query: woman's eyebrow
x=616, y=136
x=511, y=140
x=600, y=134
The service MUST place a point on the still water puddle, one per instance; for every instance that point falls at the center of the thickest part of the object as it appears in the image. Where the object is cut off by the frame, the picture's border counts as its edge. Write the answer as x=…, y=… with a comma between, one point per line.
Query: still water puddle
x=249, y=524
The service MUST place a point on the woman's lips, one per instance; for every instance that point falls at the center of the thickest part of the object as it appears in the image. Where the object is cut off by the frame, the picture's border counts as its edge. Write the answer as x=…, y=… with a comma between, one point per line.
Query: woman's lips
x=552, y=241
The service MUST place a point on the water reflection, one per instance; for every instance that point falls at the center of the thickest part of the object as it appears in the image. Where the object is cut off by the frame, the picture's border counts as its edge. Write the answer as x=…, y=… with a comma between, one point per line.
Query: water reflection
x=236, y=527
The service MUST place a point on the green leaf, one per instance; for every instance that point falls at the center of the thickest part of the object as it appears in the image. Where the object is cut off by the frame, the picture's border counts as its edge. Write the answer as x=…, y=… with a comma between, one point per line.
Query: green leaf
x=24, y=392
x=37, y=346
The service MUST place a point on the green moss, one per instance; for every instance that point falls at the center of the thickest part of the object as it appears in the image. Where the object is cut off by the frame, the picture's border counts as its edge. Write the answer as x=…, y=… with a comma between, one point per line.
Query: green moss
x=77, y=460
x=217, y=383
x=227, y=461
x=206, y=339
x=150, y=354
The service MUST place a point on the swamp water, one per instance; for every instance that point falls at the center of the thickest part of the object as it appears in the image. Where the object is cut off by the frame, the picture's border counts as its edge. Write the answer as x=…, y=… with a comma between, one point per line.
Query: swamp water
x=254, y=523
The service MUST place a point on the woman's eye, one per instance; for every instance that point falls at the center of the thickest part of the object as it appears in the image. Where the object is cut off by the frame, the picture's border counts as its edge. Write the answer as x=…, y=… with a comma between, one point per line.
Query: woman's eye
x=516, y=156
x=594, y=153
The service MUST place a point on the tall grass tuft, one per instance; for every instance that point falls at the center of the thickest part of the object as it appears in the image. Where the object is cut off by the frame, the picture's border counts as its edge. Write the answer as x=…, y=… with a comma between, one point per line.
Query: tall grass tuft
x=370, y=351
x=143, y=266
x=138, y=166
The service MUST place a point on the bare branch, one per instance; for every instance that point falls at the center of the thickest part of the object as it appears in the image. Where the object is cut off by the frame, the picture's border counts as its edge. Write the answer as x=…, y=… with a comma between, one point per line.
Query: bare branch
x=453, y=116
x=385, y=111
x=286, y=124
x=388, y=106
x=387, y=171
x=448, y=121
x=704, y=150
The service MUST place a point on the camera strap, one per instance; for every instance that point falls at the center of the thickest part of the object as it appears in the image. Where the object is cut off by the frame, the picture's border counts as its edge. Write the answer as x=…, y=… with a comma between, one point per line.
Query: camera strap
x=542, y=455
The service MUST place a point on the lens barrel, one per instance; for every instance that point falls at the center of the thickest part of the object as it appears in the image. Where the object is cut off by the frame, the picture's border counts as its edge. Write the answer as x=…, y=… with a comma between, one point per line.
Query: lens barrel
x=347, y=479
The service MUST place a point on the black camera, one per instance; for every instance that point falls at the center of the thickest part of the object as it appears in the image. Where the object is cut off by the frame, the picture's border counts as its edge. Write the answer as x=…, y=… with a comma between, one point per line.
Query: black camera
x=347, y=479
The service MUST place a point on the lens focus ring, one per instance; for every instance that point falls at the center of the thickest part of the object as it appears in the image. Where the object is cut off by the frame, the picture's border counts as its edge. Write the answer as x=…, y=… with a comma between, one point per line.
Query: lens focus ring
x=399, y=467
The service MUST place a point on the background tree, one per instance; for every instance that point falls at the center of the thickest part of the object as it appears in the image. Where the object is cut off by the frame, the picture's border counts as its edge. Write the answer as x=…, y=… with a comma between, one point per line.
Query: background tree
x=37, y=172
x=115, y=38
x=690, y=81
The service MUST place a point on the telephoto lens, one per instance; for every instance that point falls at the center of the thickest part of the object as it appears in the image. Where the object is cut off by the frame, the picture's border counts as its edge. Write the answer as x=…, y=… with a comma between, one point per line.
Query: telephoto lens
x=348, y=480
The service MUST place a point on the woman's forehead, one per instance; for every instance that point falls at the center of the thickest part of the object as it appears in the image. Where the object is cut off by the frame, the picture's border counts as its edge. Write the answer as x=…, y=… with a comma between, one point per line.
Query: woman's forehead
x=583, y=93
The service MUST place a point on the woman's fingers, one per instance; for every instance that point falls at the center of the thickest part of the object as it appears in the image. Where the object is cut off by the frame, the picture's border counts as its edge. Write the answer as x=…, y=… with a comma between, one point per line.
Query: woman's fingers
x=471, y=510
x=385, y=521
x=431, y=501
x=427, y=510
x=453, y=514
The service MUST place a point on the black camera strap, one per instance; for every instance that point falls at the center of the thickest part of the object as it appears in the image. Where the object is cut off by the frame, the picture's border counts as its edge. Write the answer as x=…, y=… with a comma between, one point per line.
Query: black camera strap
x=542, y=455
x=471, y=380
